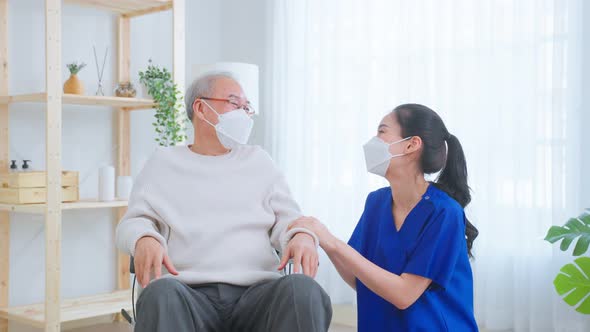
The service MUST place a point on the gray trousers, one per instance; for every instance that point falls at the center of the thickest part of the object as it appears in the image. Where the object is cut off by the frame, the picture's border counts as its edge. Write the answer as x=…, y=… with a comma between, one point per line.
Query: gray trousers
x=291, y=303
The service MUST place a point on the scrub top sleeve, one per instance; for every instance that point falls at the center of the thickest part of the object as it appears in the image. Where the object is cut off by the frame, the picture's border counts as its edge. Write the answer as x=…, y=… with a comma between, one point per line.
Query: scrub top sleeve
x=437, y=250
x=358, y=235
x=356, y=240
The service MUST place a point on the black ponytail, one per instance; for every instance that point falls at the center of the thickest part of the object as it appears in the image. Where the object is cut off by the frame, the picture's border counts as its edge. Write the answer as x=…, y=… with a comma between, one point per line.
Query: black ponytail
x=453, y=180
x=419, y=120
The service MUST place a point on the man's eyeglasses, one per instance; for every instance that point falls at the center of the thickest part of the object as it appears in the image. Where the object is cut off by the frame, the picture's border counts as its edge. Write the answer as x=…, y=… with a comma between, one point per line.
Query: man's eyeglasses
x=235, y=102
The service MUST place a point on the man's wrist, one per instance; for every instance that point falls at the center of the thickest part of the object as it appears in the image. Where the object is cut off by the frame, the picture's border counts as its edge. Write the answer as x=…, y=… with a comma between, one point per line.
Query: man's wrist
x=146, y=237
x=289, y=235
x=304, y=235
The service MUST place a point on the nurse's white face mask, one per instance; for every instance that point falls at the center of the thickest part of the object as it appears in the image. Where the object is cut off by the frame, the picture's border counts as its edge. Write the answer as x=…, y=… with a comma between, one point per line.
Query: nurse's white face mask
x=233, y=128
x=377, y=155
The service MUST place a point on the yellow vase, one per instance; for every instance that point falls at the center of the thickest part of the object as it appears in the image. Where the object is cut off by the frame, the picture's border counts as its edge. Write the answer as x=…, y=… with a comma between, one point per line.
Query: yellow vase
x=73, y=85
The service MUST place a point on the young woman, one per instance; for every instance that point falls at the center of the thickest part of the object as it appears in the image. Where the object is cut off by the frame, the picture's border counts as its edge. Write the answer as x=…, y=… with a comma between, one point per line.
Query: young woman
x=408, y=257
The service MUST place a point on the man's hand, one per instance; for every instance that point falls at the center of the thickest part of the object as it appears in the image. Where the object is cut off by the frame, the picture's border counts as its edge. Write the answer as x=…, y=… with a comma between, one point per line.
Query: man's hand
x=149, y=256
x=303, y=250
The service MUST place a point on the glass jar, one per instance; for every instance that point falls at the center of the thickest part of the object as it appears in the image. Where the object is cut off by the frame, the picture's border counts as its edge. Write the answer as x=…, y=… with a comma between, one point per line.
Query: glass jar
x=125, y=89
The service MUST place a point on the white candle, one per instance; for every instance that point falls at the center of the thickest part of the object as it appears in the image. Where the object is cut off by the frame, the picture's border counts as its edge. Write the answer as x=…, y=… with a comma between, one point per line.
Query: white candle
x=106, y=184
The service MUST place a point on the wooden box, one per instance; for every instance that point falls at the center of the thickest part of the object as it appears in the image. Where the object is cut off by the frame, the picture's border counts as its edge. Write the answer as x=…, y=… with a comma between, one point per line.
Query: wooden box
x=35, y=179
x=35, y=195
x=30, y=187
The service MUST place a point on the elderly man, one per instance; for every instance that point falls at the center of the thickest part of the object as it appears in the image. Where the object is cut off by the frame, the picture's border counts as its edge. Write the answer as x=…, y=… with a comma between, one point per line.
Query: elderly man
x=213, y=213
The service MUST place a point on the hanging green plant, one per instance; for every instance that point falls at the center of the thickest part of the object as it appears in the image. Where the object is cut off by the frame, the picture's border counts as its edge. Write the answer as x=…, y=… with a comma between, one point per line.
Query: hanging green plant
x=573, y=281
x=169, y=118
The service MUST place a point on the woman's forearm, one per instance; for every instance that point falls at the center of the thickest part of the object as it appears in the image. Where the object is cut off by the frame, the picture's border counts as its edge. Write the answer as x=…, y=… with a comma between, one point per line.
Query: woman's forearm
x=401, y=291
x=345, y=273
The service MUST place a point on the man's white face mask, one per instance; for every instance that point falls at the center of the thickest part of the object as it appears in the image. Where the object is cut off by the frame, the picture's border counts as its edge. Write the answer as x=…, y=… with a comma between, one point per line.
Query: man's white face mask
x=233, y=128
x=377, y=155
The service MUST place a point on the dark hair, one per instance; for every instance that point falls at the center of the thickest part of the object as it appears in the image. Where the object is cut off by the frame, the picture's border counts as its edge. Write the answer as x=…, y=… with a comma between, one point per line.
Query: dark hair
x=419, y=120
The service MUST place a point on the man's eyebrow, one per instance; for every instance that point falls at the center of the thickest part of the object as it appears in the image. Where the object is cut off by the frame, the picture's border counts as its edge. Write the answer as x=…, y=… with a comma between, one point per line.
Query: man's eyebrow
x=238, y=97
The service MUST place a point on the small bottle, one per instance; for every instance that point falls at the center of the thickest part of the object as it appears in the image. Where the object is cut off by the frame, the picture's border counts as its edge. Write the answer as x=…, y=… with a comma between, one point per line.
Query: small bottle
x=26, y=167
x=13, y=166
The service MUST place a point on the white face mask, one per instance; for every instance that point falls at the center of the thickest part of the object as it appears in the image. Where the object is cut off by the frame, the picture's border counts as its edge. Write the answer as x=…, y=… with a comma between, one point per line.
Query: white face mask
x=377, y=155
x=233, y=128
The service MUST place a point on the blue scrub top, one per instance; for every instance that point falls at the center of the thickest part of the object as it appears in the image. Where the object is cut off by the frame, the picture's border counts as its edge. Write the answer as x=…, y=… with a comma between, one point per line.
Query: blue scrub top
x=431, y=243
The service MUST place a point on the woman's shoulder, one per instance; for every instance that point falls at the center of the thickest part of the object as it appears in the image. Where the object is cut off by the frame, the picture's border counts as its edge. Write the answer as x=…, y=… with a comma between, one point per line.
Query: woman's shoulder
x=445, y=206
x=441, y=199
x=379, y=196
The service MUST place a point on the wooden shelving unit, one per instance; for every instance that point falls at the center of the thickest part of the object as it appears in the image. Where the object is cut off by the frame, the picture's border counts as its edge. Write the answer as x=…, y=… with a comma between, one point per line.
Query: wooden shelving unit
x=55, y=310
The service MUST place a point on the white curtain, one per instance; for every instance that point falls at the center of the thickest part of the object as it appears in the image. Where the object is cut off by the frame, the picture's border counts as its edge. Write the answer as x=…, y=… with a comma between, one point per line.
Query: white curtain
x=504, y=76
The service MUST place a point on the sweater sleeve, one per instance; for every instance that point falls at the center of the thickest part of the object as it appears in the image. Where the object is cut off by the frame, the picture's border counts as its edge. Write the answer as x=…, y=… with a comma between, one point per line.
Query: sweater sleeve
x=286, y=210
x=140, y=219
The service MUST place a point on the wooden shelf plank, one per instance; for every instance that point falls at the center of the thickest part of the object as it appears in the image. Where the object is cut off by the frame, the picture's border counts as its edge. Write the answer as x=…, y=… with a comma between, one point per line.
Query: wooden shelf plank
x=107, y=101
x=24, y=98
x=130, y=103
x=123, y=7
x=83, y=204
x=23, y=208
x=93, y=204
x=148, y=11
x=71, y=309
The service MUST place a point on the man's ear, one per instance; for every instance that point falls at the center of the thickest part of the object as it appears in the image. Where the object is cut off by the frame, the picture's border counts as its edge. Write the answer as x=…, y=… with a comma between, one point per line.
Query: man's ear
x=198, y=109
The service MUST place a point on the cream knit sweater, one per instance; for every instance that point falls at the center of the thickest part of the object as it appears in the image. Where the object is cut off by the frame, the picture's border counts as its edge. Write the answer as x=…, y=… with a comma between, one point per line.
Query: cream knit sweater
x=218, y=217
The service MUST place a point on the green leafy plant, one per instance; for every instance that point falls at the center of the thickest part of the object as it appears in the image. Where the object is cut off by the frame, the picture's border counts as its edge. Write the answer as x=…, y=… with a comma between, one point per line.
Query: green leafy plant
x=573, y=281
x=75, y=67
x=169, y=118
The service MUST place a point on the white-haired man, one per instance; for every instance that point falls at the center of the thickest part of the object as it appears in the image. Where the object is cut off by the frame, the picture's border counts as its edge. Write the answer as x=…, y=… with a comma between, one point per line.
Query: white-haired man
x=213, y=213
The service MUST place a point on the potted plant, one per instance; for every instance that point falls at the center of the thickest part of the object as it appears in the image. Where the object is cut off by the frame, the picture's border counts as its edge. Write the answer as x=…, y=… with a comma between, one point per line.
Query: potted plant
x=73, y=85
x=169, y=118
x=573, y=281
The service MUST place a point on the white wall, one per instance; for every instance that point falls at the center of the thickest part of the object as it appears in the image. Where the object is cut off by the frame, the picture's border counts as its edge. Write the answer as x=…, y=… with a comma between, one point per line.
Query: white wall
x=245, y=38
x=585, y=112
x=228, y=30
